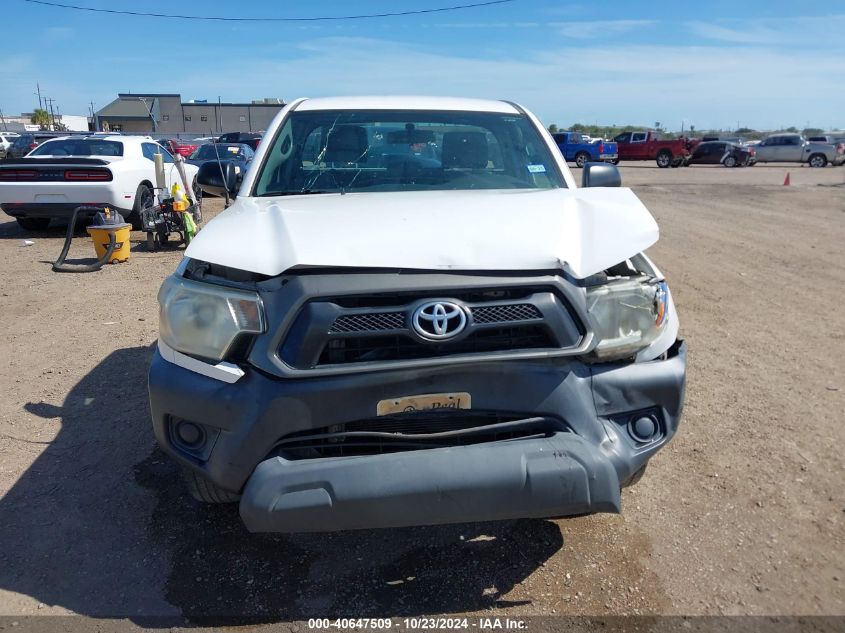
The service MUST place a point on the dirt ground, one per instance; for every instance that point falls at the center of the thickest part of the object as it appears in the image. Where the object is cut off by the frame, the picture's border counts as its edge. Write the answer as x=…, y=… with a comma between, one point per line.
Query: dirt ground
x=743, y=513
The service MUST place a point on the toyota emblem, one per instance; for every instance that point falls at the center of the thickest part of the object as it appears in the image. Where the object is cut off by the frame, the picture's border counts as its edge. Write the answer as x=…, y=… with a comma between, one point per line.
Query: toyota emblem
x=439, y=320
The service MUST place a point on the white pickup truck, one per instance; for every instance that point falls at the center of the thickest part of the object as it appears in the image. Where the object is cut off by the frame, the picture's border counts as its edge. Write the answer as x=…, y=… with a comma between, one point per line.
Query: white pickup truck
x=64, y=173
x=413, y=315
x=794, y=148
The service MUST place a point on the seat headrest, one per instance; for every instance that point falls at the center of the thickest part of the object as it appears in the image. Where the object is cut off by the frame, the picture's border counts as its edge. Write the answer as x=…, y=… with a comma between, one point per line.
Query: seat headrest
x=466, y=150
x=347, y=144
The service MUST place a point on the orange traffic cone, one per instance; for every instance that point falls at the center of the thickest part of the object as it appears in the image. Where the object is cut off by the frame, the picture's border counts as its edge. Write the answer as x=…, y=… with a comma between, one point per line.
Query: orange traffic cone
x=786, y=180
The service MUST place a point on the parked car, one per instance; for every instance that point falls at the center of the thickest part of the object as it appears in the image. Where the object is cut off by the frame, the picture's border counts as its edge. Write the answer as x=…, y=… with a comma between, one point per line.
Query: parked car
x=25, y=143
x=794, y=148
x=649, y=146
x=64, y=173
x=176, y=146
x=249, y=138
x=722, y=153
x=6, y=140
x=574, y=148
x=239, y=154
x=476, y=339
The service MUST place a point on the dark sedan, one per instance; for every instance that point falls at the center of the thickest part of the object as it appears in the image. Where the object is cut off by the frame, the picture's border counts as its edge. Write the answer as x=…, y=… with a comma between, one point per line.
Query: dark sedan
x=26, y=142
x=722, y=153
x=247, y=138
x=240, y=154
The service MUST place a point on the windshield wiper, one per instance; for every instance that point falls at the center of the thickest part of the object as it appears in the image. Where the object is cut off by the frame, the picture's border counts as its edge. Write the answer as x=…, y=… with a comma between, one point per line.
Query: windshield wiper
x=303, y=192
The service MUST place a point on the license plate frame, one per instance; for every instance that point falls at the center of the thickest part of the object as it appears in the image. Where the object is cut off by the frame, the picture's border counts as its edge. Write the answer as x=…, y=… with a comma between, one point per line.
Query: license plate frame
x=424, y=402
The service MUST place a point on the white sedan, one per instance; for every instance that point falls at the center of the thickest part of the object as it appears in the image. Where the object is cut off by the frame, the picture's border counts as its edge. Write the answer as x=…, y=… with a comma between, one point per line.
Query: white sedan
x=64, y=173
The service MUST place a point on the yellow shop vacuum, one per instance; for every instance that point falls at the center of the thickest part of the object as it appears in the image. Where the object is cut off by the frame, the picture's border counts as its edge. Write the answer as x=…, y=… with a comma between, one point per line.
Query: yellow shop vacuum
x=110, y=234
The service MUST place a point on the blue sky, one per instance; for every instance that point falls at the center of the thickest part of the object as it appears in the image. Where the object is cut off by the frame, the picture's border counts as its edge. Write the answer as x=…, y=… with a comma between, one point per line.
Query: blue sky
x=762, y=63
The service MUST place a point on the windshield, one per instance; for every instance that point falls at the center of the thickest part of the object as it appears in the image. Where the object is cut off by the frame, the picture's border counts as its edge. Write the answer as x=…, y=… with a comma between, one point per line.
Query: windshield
x=212, y=151
x=78, y=147
x=346, y=151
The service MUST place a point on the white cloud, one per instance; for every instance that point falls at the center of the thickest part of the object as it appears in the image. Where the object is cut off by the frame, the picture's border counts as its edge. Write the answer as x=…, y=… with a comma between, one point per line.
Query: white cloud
x=708, y=86
x=815, y=32
x=599, y=28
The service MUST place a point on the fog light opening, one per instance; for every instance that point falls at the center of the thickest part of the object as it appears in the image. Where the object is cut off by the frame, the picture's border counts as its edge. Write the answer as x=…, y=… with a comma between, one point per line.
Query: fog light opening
x=644, y=428
x=190, y=435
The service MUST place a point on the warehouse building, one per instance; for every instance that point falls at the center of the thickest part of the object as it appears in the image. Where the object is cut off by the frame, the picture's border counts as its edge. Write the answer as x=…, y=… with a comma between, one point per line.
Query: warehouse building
x=167, y=114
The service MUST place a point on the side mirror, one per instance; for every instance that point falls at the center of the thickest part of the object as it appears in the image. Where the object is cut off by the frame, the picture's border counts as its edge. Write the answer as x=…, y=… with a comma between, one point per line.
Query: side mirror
x=218, y=179
x=601, y=175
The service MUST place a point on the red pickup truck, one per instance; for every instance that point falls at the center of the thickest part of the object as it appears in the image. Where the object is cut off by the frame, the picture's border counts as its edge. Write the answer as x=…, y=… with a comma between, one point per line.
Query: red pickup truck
x=648, y=146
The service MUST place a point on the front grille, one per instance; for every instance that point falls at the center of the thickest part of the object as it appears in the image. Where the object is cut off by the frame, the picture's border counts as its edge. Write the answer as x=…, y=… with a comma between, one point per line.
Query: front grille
x=373, y=322
x=415, y=431
x=505, y=313
x=403, y=347
x=336, y=332
x=385, y=321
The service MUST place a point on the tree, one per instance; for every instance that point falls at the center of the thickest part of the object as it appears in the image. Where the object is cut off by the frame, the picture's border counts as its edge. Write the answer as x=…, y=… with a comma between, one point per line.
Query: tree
x=552, y=128
x=577, y=127
x=812, y=131
x=792, y=129
x=41, y=118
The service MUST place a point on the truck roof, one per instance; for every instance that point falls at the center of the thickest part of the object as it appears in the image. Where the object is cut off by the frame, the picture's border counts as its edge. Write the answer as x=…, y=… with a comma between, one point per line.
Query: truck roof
x=407, y=103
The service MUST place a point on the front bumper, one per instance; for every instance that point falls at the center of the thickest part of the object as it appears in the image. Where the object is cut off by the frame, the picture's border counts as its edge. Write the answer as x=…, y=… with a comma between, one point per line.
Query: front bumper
x=578, y=470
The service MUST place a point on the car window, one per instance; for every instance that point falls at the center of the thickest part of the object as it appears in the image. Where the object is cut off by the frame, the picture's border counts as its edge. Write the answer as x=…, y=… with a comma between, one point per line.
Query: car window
x=792, y=140
x=151, y=149
x=79, y=147
x=638, y=137
x=404, y=150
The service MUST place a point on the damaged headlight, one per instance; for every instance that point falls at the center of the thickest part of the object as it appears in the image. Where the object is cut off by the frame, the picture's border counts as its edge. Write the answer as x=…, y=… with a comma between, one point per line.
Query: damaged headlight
x=205, y=320
x=627, y=316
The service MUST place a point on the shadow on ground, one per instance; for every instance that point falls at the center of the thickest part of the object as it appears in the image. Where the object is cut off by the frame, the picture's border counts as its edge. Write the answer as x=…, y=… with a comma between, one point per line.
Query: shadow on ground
x=101, y=525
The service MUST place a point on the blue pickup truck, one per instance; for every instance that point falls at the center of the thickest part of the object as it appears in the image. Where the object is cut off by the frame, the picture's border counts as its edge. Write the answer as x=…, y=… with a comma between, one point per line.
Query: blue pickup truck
x=575, y=149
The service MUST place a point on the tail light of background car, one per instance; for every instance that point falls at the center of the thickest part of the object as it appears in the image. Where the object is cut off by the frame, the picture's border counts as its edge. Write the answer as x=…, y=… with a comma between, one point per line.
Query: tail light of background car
x=88, y=175
x=18, y=174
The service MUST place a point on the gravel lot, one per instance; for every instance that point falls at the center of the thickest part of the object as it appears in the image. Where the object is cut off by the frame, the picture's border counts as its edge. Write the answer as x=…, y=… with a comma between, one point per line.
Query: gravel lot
x=744, y=513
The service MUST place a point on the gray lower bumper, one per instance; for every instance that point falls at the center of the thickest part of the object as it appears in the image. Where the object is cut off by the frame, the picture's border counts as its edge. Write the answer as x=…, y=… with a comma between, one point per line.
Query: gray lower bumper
x=561, y=475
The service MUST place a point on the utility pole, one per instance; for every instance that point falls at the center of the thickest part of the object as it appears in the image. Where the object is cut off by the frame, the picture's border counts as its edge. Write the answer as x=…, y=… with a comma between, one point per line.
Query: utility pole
x=3, y=120
x=49, y=102
x=38, y=87
x=149, y=111
x=220, y=115
x=94, y=117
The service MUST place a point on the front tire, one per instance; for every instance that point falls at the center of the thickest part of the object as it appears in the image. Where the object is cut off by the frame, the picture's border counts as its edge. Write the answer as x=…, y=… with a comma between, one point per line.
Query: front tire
x=204, y=490
x=817, y=160
x=664, y=159
x=581, y=159
x=33, y=224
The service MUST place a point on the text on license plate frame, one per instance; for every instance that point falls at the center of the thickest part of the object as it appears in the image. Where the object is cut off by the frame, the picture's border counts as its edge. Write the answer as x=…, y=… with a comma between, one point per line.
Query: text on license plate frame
x=424, y=402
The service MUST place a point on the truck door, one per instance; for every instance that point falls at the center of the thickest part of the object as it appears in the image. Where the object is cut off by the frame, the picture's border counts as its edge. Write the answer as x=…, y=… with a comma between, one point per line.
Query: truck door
x=792, y=148
x=639, y=146
x=767, y=149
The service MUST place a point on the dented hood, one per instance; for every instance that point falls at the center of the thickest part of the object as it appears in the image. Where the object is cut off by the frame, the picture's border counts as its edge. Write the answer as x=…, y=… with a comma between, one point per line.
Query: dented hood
x=581, y=230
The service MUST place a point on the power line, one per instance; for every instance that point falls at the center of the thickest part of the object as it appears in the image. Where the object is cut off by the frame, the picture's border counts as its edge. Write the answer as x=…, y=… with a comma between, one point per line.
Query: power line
x=473, y=5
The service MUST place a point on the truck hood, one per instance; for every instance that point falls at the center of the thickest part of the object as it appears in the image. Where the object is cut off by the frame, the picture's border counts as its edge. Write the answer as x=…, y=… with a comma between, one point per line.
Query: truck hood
x=583, y=231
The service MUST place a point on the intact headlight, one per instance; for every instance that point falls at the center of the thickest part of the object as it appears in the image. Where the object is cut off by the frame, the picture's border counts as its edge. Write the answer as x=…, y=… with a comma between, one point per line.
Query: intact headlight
x=627, y=316
x=205, y=320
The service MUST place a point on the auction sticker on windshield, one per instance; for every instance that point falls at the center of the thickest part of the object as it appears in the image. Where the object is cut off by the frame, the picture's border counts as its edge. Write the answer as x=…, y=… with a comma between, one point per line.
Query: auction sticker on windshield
x=425, y=402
